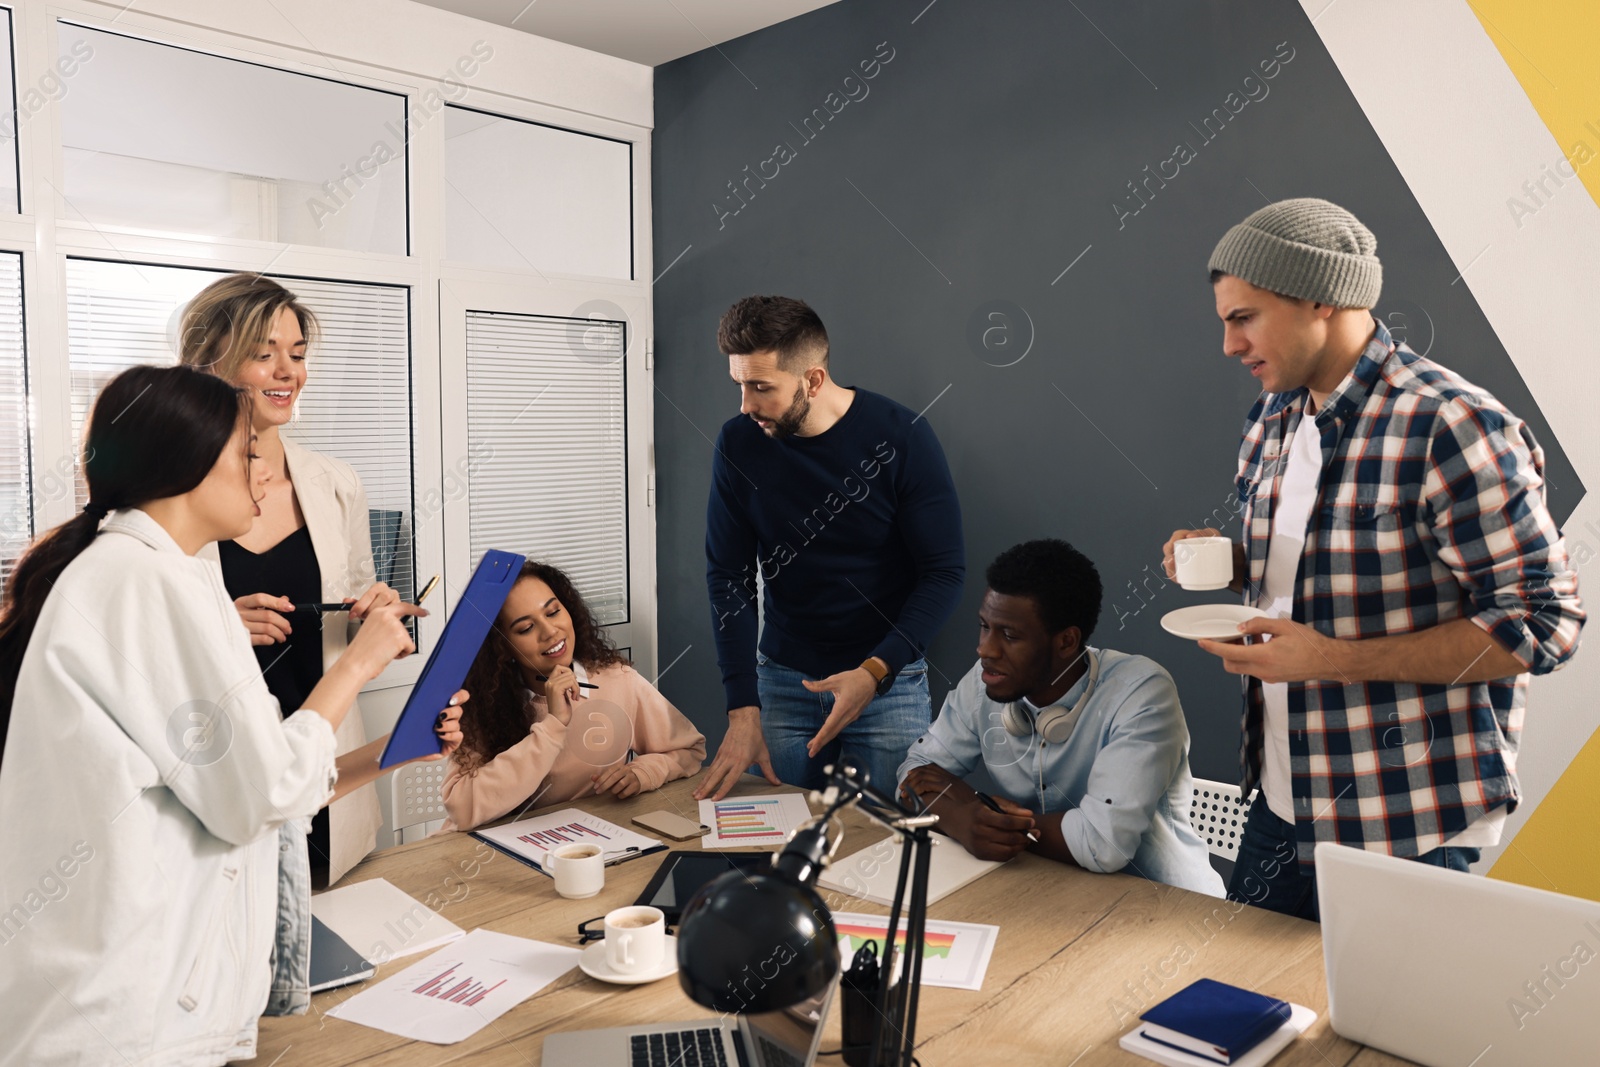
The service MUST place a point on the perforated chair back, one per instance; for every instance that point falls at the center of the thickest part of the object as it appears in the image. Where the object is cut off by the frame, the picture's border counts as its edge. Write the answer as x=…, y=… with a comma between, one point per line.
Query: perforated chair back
x=1218, y=814
x=414, y=796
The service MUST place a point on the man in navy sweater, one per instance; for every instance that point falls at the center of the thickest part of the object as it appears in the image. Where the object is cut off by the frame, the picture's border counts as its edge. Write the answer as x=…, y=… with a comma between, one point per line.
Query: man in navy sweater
x=840, y=502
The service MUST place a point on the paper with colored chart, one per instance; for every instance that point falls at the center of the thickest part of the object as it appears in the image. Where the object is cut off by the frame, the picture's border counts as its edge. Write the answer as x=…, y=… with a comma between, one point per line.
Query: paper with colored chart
x=766, y=821
x=529, y=839
x=460, y=989
x=954, y=955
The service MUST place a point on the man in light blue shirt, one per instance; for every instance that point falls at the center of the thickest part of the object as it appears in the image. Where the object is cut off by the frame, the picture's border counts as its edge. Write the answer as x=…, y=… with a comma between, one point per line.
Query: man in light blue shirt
x=1087, y=747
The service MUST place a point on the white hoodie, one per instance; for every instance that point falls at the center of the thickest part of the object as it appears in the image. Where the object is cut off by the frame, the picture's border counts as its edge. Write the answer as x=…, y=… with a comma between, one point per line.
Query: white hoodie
x=146, y=770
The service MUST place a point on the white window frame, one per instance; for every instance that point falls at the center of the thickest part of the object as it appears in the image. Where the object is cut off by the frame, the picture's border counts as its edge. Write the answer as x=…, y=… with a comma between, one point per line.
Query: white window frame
x=398, y=47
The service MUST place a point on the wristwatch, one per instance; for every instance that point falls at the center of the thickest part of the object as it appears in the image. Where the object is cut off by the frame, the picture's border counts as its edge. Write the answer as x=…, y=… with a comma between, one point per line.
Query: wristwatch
x=880, y=672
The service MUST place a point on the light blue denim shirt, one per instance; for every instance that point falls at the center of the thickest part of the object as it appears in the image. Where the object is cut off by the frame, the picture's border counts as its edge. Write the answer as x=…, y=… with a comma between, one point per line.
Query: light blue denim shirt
x=291, y=942
x=1122, y=777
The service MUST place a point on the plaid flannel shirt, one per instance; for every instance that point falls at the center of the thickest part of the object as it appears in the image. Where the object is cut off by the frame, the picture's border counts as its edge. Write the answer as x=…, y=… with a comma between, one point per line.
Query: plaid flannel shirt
x=1431, y=508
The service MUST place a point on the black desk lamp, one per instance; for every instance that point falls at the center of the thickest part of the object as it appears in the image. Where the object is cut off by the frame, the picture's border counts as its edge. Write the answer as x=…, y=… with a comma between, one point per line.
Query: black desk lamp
x=763, y=942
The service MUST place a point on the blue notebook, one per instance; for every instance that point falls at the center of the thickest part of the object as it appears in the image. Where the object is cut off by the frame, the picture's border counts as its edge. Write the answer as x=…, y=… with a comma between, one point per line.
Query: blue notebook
x=452, y=657
x=1215, y=1020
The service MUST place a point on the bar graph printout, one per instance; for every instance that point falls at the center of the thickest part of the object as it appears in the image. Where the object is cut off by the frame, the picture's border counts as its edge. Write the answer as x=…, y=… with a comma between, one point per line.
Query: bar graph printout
x=953, y=954
x=529, y=839
x=767, y=821
x=459, y=989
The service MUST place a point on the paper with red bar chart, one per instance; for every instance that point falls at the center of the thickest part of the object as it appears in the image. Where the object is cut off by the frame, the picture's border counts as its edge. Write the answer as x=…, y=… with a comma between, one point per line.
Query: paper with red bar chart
x=767, y=821
x=529, y=839
x=460, y=989
x=954, y=955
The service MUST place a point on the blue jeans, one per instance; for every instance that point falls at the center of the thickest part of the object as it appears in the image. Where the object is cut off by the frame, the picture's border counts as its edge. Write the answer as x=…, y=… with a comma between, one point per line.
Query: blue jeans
x=878, y=740
x=1268, y=875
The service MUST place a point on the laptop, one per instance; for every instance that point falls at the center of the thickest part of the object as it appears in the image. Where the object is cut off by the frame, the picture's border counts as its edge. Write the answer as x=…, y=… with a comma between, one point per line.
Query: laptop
x=1450, y=969
x=787, y=1038
x=333, y=962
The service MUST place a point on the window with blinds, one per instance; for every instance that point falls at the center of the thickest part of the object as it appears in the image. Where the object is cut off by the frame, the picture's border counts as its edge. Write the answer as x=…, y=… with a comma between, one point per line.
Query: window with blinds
x=357, y=401
x=9, y=200
x=16, y=483
x=549, y=438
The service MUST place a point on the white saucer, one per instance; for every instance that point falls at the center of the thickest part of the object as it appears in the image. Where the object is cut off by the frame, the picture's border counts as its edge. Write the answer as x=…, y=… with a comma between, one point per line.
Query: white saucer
x=1218, y=622
x=593, y=963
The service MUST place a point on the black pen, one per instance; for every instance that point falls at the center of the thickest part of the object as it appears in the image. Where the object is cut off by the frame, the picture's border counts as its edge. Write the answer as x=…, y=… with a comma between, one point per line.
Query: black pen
x=320, y=609
x=988, y=802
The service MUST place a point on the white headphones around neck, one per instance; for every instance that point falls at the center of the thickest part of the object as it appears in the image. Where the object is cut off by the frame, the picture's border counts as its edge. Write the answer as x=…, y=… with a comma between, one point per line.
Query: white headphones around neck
x=1054, y=723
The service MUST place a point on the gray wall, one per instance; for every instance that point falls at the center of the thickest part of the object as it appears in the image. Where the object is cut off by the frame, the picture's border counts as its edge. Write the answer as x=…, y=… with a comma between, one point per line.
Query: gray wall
x=981, y=161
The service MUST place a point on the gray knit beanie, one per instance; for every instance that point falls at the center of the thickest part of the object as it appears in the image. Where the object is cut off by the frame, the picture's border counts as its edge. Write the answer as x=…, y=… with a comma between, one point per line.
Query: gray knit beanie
x=1306, y=248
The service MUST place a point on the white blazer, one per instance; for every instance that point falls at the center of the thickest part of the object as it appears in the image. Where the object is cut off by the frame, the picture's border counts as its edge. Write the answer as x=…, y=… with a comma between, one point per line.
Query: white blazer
x=146, y=770
x=335, y=506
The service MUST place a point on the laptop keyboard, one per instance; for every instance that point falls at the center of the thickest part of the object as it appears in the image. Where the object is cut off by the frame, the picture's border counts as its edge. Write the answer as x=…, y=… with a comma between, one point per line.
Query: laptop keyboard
x=679, y=1048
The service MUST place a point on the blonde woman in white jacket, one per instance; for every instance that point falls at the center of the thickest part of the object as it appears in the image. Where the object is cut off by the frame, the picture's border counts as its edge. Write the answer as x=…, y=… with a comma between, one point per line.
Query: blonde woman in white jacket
x=146, y=767
x=310, y=544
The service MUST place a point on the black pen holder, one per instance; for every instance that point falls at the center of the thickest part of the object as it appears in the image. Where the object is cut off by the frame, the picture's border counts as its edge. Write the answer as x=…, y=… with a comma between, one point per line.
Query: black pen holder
x=859, y=989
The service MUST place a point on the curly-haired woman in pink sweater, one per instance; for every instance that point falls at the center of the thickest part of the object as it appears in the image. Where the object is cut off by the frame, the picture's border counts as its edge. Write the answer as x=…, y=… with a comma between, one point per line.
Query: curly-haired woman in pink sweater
x=534, y=736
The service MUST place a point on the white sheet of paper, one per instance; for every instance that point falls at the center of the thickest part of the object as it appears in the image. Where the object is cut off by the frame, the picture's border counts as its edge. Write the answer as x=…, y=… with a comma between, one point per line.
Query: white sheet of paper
x=759, y=820
x=532, y=838
x=381, y=922
x=871, y=873
x=955, y=955
x=460, y=989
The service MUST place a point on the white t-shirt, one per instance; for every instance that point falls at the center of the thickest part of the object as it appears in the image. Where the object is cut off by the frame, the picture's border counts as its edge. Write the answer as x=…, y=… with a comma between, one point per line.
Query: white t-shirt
x=1297, y=495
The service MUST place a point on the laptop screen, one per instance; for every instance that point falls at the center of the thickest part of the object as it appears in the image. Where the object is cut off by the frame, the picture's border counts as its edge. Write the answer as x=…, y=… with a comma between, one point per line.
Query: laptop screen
x=788, y=1038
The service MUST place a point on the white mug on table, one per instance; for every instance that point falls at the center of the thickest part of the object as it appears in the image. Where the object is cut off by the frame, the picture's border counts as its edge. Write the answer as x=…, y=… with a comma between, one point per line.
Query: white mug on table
x=579, y=869
x=636, y=939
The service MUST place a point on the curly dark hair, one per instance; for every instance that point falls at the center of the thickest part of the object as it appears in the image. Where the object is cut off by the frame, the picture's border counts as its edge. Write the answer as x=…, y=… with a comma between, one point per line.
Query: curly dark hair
x=778, y=324
x=1060, y=580
x=496, y=716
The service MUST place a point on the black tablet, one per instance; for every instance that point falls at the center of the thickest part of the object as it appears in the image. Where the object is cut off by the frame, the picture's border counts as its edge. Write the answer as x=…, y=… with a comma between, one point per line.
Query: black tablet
x=684, y=871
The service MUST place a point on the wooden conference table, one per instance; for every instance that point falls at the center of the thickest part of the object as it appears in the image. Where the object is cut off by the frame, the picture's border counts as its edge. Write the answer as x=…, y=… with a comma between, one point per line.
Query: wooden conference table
x=1071, y=946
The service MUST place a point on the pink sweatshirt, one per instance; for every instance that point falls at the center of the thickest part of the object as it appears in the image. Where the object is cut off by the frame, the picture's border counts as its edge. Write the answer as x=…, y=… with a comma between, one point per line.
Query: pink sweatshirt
x=555, y=761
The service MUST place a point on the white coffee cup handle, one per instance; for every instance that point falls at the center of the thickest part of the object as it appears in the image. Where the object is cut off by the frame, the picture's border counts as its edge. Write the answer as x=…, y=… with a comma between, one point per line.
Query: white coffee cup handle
x=548, y=862
x=624, y=945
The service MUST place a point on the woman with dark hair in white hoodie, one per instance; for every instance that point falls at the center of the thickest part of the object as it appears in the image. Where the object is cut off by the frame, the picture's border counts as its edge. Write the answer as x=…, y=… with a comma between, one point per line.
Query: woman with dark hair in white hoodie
x=147, y=772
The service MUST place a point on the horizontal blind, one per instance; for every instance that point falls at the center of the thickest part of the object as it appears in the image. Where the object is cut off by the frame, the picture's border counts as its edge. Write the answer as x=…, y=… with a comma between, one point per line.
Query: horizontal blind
x=357, y=406
x=548, y=433
x=16, y=485
x=357, y=402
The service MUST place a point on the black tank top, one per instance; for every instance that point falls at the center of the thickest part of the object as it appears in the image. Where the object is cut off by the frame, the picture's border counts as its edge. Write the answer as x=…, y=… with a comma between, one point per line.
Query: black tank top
x=292, y=669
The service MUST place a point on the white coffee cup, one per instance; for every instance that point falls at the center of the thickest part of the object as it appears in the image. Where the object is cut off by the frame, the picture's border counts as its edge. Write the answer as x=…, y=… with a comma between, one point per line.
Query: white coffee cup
x=1204, y=562
x=579, y=869
x=636, y=939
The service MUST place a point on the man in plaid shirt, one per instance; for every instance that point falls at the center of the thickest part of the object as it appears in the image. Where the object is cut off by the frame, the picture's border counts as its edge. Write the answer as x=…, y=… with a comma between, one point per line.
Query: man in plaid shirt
x=1396, y=535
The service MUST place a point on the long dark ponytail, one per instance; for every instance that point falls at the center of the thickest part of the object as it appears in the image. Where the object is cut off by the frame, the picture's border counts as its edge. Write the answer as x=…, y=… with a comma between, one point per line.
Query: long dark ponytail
x=155, y=432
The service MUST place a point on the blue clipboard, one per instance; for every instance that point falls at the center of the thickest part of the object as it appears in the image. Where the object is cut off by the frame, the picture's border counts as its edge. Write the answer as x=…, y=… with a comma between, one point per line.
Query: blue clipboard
x=452, y=657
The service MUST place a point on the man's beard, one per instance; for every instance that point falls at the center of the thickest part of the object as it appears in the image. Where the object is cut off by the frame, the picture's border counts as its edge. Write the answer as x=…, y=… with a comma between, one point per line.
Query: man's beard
x=789, y=423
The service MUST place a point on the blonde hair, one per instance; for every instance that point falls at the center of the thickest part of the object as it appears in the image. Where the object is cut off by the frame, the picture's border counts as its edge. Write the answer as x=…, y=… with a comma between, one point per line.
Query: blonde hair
x=230, y=318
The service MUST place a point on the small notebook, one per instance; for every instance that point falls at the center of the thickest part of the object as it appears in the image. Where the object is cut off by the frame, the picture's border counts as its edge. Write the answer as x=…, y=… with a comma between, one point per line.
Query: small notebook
x=1214, y=1020
x=527, y=840
x=871, y=873
x=333, y=962
x=1300, y=1020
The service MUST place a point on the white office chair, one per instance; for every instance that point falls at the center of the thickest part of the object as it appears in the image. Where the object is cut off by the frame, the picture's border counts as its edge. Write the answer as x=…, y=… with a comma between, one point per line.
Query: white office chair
x=414, y=795
x=1218, y=813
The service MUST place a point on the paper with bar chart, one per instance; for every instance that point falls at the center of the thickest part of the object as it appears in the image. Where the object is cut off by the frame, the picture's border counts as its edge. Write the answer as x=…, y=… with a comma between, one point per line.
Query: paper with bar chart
x=954, y=955
x=767, y=821
x=460, y=989
x=529, y=839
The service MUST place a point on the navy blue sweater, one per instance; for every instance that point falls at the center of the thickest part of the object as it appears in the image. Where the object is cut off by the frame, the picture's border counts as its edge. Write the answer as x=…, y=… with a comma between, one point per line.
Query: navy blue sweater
x=856, y=534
